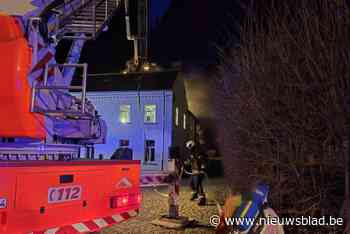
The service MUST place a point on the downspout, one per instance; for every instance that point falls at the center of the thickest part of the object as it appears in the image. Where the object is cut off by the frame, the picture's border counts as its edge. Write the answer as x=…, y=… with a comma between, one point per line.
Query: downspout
x=164, y=122
x=140, y=118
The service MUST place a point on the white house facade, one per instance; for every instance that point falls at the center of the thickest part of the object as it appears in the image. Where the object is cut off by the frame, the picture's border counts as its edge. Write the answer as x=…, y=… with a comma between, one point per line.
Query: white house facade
x=143, y=118
x=147, y=112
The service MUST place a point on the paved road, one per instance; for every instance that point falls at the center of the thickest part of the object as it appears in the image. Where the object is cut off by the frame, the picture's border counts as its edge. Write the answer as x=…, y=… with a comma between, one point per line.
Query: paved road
x=154, y=205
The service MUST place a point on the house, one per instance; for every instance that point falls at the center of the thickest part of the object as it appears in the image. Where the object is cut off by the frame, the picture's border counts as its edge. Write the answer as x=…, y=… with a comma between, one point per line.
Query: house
x=146, y=113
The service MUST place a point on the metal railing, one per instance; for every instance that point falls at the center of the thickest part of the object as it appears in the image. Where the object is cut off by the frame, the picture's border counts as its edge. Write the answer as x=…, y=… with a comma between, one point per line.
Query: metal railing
x=89, y=18
x=36, y=88
x=34, y=152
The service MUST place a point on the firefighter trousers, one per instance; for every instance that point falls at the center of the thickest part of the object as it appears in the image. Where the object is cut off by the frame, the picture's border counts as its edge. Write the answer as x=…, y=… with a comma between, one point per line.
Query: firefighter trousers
x=197, y=184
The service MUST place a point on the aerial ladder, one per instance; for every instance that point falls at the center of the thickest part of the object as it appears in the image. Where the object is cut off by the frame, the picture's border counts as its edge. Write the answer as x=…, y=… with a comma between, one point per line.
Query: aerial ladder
x=62, y=118
x=138, y=33
x=44, y=129
x=57, y=116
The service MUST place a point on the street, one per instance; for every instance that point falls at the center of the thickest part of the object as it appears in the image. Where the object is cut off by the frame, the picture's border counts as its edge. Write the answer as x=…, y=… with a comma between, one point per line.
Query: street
x=154, y=205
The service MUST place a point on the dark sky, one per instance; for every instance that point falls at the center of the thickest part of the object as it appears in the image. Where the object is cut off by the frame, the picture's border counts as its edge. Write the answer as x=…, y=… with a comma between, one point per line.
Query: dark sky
x=158, y=8
x=187, y=31
x=111, y=50
x=191, y=30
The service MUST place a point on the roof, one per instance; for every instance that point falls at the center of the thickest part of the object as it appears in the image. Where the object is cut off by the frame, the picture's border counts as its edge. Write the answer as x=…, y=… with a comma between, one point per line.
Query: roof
x=134, y=81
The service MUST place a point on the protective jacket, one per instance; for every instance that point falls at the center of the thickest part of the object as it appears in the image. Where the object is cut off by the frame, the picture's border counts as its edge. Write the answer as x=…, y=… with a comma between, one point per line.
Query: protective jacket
x=197, y=161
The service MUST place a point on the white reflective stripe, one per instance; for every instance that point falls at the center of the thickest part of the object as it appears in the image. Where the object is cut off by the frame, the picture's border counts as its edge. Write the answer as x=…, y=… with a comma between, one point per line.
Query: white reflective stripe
x=152, y=184
x=80, y=227
x=101, y=223
x=117, y=218
x=132, y=213
x=51, y=231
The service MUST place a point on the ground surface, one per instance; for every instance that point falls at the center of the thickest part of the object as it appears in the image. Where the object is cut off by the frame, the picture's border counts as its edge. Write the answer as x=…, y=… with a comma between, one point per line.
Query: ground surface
x=154, y=205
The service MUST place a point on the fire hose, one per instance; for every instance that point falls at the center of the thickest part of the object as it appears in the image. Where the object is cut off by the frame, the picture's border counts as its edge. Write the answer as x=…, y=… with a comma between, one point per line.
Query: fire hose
x=182, y=171
x=165, y=194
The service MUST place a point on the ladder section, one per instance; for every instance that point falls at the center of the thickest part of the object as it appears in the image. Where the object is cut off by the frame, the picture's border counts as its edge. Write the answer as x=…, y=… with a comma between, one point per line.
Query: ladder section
x=54, y=100
x=90, y=18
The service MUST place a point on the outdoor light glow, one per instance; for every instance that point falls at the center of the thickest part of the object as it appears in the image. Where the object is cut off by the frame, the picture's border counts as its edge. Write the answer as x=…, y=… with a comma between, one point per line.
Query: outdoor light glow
x=123, y=120
x=125, y=200
x=177, y=116
x=185, y=124
x=146, y=67
x=139, y=198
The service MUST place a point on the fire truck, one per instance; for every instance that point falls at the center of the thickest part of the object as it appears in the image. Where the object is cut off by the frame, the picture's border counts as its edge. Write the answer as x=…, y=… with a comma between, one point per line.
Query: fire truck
x=48, y=184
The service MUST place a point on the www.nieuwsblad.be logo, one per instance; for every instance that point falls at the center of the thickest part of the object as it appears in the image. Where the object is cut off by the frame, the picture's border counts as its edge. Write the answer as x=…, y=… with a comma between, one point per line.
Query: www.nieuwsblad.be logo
x=295, y=221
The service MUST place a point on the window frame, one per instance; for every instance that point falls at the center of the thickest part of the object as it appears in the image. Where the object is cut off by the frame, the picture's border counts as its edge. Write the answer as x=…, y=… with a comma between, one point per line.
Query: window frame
x=124, y=111
x=184, y=121
x=150, y=151
x=177, y=115
x=153, y=111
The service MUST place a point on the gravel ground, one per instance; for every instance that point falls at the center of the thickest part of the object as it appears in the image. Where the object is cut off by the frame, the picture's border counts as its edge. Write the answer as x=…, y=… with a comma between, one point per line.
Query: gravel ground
x=154, y=205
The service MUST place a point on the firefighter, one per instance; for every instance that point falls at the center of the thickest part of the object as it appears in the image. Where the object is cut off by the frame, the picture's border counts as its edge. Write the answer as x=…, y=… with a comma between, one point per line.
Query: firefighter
x=197, y=162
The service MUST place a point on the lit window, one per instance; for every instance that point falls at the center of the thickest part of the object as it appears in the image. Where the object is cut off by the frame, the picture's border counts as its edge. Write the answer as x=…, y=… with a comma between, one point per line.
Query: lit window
x=177, y=116
x=150, y=151
x=150, y=113
x=124, y=113
x=184, y=121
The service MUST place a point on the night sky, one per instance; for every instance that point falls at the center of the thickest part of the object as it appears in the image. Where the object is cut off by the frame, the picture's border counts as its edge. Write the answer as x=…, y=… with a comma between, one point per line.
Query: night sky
x=186, y=31
x=158, y=9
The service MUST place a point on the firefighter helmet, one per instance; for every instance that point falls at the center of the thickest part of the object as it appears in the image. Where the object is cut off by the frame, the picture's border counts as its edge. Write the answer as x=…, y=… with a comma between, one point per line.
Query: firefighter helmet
x=190, y=144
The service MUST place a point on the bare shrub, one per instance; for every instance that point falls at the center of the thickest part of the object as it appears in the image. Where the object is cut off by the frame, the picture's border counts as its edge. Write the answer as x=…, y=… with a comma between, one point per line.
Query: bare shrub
x=283, y=105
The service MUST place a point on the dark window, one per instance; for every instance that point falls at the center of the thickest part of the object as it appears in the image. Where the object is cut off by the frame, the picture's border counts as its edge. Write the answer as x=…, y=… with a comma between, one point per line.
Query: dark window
x=150, y=151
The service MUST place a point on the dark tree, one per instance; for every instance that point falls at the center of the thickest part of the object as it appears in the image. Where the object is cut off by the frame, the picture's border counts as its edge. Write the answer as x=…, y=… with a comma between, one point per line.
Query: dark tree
x=283, y=105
